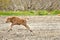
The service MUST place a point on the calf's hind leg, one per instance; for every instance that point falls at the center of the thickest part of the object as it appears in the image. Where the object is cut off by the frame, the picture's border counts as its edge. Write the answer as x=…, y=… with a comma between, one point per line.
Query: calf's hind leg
x=27, y=27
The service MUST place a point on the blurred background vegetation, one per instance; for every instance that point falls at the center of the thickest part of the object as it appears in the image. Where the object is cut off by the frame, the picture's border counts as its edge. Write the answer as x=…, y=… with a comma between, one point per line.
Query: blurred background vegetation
x=29, y=7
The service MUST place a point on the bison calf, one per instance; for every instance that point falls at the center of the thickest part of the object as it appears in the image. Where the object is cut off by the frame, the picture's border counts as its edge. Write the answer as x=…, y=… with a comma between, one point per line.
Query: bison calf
x=17, y=21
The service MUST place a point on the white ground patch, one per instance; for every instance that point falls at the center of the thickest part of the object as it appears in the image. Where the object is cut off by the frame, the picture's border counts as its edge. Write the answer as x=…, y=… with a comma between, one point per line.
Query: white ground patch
x=44, y=28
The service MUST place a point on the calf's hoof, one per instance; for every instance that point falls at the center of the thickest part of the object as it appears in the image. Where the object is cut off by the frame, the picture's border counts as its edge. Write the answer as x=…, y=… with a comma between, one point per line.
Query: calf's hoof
x=9, y=30
x=30, y=30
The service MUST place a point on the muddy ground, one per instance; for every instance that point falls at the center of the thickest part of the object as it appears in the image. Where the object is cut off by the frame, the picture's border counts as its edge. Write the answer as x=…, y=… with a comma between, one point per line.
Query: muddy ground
x=44, y=28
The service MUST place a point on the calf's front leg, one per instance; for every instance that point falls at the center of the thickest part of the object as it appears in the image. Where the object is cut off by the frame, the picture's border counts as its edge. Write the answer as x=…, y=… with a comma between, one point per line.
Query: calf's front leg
x=11, y=27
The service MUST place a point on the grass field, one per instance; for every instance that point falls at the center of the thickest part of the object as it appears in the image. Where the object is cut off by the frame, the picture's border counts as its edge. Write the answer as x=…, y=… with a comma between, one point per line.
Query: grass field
x=29, y=13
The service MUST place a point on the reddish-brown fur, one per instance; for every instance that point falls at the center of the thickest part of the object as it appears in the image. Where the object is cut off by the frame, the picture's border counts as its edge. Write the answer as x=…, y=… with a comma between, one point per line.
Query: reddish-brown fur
x=17, y=21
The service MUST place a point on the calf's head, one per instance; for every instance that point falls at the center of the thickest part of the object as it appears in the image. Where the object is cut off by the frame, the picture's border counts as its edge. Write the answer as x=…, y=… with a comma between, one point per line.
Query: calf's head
x=8, y=20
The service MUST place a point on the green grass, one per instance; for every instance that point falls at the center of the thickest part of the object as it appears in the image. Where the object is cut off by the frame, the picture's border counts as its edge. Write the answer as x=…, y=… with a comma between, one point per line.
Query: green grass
x=16, y=13
x=55, y=12
x=29, y=13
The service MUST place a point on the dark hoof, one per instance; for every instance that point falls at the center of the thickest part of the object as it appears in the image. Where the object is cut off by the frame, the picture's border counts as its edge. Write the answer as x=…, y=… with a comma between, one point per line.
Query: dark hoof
x=9, y=30
x=30, y=30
